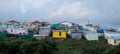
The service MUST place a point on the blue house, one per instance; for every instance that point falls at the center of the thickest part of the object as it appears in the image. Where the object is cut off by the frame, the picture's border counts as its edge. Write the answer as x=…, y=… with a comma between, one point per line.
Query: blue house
x=100, y=30
x=56, y=26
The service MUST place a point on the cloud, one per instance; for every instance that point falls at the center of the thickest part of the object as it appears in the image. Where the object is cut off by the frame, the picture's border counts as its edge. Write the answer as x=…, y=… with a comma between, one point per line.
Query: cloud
x=74, y=10
x=78, y=11
x=23, y=9
x=8, y=7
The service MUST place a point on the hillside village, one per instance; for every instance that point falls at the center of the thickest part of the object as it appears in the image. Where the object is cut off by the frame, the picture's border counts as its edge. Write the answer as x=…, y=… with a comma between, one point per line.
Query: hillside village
x=61, y=30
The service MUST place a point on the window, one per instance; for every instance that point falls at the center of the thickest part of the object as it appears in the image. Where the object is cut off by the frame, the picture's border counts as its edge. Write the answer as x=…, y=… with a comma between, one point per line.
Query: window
x=60, y=33
x=11, y=30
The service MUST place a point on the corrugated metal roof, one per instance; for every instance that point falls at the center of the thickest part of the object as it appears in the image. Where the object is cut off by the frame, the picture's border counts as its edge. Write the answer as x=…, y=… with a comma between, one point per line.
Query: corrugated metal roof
x=115, y=37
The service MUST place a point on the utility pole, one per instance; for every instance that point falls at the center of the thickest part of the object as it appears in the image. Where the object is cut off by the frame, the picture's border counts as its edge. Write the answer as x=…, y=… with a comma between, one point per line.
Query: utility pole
x=88, y=22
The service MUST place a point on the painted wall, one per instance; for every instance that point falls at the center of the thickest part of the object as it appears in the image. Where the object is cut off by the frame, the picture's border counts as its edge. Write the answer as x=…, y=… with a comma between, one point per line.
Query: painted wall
x=113, y=42
x=59, y=34
x=16, y=31
x=76, y=35
x=91, y=36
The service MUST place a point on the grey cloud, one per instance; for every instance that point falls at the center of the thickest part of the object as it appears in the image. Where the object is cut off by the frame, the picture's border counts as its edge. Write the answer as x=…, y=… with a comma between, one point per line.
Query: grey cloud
x=106, y=11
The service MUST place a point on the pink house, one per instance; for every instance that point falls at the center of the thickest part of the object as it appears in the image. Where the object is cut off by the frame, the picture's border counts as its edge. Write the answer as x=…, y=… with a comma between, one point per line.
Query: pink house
x=16, y=31
x=13, y=27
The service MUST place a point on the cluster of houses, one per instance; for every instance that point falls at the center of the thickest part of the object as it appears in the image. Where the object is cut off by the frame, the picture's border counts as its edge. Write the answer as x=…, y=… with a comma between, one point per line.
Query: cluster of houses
x=62, y=30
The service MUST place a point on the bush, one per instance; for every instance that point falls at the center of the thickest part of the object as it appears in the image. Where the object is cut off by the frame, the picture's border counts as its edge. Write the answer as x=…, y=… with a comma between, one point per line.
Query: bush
x=3, y=47
x=27, y=46
x=115, y=50
x=48, y=46
x=38, y=47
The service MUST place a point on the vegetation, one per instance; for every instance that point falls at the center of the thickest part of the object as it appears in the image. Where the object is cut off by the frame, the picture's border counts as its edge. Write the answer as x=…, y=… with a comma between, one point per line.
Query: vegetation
x=27, y=46
x=46, y=46
x=82, y=46
x=115, y=50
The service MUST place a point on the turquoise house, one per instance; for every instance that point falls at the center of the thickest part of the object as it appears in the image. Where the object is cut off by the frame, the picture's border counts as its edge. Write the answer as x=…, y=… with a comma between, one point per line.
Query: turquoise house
x=56, y=26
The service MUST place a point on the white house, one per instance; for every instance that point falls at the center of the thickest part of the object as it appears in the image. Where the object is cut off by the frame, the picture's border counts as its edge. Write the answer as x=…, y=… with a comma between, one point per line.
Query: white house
x=91, y=27
x=90, y=35
x=111, y=34
x=67, y=23
x=45, y=30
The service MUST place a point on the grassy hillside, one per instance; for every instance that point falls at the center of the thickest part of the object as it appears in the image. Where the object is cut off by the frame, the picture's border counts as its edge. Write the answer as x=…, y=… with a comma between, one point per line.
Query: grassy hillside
x=48, y=46
x=82, y=46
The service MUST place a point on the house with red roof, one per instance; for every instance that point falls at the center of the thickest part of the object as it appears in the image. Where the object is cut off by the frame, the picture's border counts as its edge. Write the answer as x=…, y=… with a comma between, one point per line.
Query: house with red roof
x=13, y=27
x=13, y=24
x=36, y=24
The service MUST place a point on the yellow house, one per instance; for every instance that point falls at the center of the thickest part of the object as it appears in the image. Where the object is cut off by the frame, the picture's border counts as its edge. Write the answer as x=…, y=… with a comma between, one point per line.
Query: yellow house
x=59, y=34
x=113, y=41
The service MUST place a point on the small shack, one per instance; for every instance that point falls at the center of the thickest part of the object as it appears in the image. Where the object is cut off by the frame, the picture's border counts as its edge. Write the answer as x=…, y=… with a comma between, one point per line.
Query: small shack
x=60, y=34
x=76, y=35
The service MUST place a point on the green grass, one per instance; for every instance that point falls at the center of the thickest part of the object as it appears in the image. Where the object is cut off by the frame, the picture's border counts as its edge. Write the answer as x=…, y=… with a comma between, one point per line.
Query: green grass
x=82, y=46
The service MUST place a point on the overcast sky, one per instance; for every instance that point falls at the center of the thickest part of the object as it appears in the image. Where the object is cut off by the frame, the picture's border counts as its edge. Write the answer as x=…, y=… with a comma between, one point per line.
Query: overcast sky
x=54, y=11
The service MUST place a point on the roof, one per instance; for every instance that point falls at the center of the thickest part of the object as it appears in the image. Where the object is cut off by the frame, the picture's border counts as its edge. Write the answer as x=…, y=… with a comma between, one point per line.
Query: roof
x=12, y=21
x=58, y=30
x=56, y=25
x=100, y=30
x=39, y=35
x=113, y=33
x=36, y=22
x=87, y=31
x=116, y=37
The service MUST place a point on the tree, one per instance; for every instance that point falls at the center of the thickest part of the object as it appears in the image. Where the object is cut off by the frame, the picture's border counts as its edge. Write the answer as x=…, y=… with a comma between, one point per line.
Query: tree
x=48, y=46
x=29, y=47
x=38, y=47
x=14, y=46
x=3, y=47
